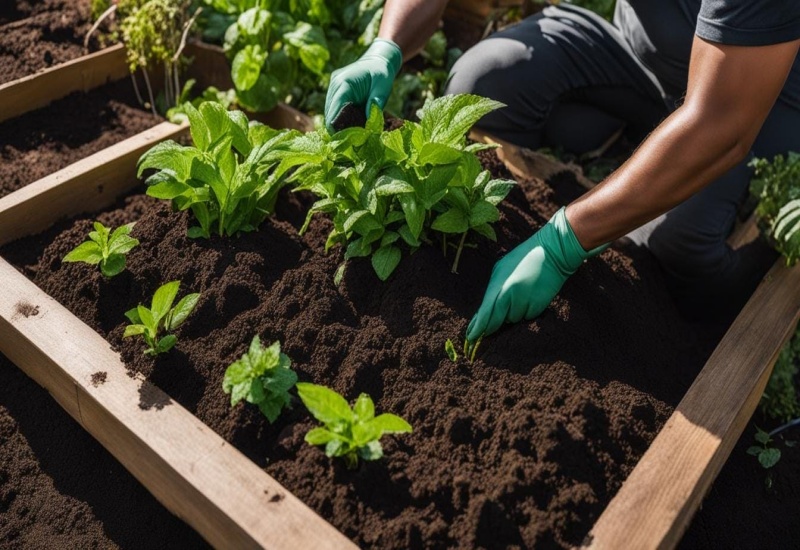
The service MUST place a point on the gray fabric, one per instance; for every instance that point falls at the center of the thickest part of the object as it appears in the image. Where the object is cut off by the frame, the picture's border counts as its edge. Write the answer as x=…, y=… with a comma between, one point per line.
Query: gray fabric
x=660, y=33
x=570, y=79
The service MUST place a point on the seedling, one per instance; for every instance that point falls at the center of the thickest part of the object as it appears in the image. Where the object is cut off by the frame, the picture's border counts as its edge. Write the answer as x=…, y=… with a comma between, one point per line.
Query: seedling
x=767, y=455
x=161, y=316
x=450, y=350
x=227, y=179
x=263, y=377
x=105, y=248
x=471, y=348
x=351, y=433
x=407, y=186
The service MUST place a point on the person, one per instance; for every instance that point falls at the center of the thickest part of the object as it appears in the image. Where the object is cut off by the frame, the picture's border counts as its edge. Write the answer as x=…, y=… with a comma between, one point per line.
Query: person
x=706, y=83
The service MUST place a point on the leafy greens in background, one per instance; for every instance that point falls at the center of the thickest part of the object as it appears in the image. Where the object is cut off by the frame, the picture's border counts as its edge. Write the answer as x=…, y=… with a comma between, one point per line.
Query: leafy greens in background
x=776, y=185
x=286, y=50
x=226, y=179
x=408, y=186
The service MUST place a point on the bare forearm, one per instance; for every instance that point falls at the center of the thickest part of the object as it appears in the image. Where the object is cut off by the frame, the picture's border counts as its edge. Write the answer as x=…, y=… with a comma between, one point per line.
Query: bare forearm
x=683, y=155
x=410, y=23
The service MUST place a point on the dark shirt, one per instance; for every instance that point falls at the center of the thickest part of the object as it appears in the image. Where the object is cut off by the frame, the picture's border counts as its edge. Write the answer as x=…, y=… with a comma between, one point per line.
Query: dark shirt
x=661, y=33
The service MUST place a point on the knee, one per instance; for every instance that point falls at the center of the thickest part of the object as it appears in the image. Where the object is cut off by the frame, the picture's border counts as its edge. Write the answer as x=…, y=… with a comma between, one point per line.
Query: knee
x=690, y=257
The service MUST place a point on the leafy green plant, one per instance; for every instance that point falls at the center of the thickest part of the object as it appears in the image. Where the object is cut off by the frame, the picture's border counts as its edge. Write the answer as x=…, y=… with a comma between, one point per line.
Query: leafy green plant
x=779, y=401
x=226, y=178
x=351, y=433
x=406, y=186
x=178, y=114
x=471, y=348
x=106, y=248
x=768, y=456
x=263, y=377
x=161, y=316
x=776, y=185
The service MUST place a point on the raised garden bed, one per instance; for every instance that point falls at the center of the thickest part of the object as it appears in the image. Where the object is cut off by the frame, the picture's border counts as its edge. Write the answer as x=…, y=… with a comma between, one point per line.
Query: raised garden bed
x=38, y=34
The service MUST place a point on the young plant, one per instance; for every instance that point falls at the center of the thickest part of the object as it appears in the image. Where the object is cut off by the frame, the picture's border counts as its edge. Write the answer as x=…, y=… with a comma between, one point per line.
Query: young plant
x=471, y=349
x=450, y=350
x=406, y=186
x=106, y=248
x=161, y=316
x=768, y=456
x=263, y=377
x=226, y=178
x=351, y=433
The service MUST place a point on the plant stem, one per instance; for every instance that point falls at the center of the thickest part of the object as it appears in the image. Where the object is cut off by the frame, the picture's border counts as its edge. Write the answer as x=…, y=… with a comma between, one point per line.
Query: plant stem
x=149, y=91
x=186, y=29
x=458, y=252
x=475, y=350
x=97, y=24
x=444, y=245
x=136, y=89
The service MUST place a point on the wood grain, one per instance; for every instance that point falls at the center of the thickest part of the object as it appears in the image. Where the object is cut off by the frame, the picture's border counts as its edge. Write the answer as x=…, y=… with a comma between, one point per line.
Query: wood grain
x=83, y=74
x=229, y=500
x=657, y=501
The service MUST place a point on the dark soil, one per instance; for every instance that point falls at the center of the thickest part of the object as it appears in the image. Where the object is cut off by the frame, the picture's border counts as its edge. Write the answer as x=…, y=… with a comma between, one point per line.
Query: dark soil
x=524, y=447
x=60, y=489
x=349, y=117
x=46, y=140
x=35, y=35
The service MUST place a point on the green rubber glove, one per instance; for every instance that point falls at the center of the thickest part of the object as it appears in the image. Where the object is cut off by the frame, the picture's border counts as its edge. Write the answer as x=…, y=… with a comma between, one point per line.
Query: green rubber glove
x=369, y=80
x=525, y=281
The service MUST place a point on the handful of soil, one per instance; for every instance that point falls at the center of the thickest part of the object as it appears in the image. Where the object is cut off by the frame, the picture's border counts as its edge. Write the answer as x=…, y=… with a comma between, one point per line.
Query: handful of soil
x=350, y=116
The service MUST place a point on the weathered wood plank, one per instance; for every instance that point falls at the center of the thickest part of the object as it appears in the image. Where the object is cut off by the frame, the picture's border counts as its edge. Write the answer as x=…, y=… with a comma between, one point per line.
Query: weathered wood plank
x=197, y=475
x=85, y=73
x=657, y=501
x=87, y=185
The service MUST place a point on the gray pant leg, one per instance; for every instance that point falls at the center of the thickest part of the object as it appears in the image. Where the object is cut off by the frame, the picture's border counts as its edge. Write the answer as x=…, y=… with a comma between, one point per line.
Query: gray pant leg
x=690, y=240
x=544, y=66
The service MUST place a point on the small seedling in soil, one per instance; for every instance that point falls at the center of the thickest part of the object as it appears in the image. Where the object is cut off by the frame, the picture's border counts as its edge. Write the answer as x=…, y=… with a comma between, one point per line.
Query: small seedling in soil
x=351, y=433
x=148, y=323
x=263, y=377
x=471, y=349
x=105, y=248
x=767, y=455
x=450, y=349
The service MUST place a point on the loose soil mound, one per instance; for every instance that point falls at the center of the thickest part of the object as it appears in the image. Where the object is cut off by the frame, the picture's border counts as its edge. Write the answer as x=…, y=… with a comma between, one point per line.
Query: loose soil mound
x=526, y=446
x=60, y=489
x=47, y=140
x=35, y=35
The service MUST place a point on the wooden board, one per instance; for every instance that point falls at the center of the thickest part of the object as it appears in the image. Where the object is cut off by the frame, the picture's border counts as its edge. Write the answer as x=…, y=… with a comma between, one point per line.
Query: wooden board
x=83, y=74
x=88, y=185
x=229, y=500
x=657, y=501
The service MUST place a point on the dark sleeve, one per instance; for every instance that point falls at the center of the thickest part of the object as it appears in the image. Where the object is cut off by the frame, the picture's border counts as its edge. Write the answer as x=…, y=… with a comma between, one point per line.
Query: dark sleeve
x=749, y=22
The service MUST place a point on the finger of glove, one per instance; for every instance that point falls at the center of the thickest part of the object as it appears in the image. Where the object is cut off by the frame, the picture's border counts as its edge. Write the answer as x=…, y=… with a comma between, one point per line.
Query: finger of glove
x=540, y=298
x=518, y=308
x=477, y=325
x=499, y=315
x=348, y=85
x=379, y=92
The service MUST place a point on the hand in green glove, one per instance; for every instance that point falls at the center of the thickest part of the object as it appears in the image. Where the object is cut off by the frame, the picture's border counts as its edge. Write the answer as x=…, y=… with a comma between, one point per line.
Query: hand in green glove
x=525, y=281
x=368, y=80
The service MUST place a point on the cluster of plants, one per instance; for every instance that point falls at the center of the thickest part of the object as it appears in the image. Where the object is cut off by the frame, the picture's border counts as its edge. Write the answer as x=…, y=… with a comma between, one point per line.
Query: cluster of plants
x=154, y=33
x=413, y=185
x=263, y=377
x=227, y=179
x=776, y=185
x=286, y=50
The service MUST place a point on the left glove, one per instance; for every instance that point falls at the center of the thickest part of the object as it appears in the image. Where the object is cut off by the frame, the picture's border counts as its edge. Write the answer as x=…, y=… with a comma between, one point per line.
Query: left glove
x=525, y=281
x=366, y=81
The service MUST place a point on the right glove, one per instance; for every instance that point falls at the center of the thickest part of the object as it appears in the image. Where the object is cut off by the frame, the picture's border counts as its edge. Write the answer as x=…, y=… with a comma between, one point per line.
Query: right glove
x=364, y=82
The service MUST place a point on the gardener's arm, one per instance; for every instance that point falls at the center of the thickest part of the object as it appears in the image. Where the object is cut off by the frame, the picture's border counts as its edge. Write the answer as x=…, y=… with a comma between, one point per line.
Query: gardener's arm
x=730, y=93
x=405, y=28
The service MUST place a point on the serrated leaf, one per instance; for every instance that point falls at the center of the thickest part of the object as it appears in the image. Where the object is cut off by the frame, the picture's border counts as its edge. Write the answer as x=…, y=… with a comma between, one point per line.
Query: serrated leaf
x=452, y=221
x=448, y=119
x=483, y=213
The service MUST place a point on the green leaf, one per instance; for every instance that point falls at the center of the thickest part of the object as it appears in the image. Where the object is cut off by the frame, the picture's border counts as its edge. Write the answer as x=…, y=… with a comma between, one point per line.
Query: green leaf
x=88, y=252
x=755, y=450
x=364, y=408
x=391, y=424
x=246, y=66
x=168, y=155
x=324, y=404
x=320, y=436
x=769, y=457
x=163, y=299
x=113, y=265
x=199, y=130
x=387, y=186
x=762, y=436
x=371, y=451
x=181, y=311
x=437, y=153
x=486, y=230
x=134, y=330
x=133, y=316
x=415, y=214
x=497, y=190
x=311, y=45
x=121, y=244
x=147, y=319
x=447, y=119
x=450, y=349
x=166, y=343
x=385, y=260
x=452, y=221
x=483, y=213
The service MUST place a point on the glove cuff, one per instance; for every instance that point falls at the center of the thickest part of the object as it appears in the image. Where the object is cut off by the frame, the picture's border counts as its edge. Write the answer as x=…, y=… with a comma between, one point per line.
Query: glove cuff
x=571, y=249
x=389, y=51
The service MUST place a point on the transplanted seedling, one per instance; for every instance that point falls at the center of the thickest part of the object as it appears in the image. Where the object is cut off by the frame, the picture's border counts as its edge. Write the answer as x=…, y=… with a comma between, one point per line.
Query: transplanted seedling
x=768, y=456
x=105, y=248
x=348, y=432
x=160, y=317
x=263, y=377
